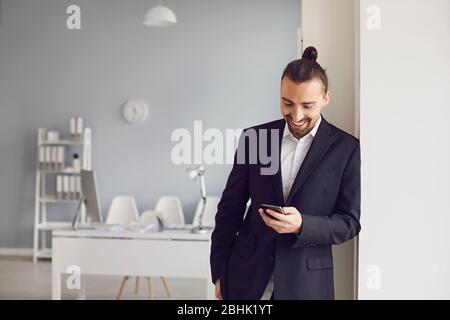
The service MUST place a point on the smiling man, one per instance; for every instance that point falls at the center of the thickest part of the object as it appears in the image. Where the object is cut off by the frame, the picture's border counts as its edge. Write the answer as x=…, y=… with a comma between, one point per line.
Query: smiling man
x=265, y=254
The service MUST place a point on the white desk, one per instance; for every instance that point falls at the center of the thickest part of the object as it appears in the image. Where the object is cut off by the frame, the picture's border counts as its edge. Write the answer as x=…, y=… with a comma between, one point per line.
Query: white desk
x=176, y=253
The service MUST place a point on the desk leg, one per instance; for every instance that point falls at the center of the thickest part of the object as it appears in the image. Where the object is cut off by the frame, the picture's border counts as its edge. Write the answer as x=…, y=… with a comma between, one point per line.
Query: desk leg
x=210, y=290
x=82, y=293
x=56, y=285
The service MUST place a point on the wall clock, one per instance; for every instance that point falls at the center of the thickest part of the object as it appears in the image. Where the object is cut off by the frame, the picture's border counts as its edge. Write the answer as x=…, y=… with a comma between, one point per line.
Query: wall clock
x=135, y=111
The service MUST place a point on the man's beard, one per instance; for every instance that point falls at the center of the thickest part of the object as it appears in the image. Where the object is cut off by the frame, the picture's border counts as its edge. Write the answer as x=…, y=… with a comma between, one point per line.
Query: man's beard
x=299, y=132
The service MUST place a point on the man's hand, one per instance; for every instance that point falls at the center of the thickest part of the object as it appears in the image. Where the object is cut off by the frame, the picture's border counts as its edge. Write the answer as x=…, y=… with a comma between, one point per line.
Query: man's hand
x=289, y=222
x=218, y=292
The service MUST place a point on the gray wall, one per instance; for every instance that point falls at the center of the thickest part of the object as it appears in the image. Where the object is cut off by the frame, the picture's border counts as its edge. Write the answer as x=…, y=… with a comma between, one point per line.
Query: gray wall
x=220, y=64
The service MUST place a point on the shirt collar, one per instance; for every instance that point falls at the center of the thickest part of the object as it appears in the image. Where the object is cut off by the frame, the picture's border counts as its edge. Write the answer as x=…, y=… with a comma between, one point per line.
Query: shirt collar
x=312, y=133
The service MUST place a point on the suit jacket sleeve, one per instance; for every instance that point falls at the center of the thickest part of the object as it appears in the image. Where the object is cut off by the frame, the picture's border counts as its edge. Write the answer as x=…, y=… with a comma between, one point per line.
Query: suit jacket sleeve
x=343, y=223
x=230, y=211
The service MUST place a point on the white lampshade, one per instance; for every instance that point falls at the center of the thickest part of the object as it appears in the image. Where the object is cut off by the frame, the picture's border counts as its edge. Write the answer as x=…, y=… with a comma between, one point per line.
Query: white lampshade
x=160, y=16
x=192, y=174
x=196, y=172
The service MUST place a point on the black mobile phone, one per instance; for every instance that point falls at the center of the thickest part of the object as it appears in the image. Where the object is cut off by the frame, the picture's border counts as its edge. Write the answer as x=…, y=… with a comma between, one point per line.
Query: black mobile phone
x=274, y=208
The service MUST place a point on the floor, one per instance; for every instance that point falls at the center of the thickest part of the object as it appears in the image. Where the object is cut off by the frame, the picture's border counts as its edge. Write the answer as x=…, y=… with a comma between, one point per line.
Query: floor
x=20, y=278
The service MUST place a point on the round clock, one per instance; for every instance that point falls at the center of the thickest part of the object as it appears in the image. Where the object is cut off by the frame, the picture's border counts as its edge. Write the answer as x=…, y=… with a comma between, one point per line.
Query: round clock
x=135, y=111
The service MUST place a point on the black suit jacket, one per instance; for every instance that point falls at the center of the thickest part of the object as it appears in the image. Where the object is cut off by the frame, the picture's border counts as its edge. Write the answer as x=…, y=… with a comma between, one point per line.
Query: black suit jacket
x=326, y=191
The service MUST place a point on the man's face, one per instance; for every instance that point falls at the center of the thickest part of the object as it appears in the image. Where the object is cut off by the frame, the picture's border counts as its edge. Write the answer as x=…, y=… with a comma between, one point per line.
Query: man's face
x=301, y=104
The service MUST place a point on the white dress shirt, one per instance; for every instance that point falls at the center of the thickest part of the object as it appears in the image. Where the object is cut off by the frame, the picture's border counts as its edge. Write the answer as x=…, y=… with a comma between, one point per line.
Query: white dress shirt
x=293, y=152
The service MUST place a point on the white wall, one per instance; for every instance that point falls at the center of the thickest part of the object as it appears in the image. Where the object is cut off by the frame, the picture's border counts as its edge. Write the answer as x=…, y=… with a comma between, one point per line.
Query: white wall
x=329, y=26
x=405, y=136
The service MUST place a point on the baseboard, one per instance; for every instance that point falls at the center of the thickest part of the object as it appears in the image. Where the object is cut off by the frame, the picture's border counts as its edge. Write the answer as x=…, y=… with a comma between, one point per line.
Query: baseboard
x=18, y=252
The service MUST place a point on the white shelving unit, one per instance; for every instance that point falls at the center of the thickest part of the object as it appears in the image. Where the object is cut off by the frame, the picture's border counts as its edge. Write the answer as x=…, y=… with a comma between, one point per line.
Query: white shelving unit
x=44, y=198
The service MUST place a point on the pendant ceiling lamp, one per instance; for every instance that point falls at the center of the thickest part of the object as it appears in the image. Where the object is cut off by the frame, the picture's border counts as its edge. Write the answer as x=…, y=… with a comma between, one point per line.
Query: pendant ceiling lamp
x=160, y=16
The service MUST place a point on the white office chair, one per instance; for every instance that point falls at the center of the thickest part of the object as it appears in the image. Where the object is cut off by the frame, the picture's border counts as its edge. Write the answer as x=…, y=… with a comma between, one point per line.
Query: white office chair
x=172, y=212
x=209, y=213
x=146, y=218
x=123, y=211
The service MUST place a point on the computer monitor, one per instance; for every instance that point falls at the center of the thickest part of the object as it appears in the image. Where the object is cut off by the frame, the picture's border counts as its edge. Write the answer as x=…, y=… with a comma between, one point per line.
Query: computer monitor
x=89, y=198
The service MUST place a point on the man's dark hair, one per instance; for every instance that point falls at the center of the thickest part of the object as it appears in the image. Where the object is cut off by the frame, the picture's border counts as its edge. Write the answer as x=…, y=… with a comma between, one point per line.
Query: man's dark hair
x=306, y=69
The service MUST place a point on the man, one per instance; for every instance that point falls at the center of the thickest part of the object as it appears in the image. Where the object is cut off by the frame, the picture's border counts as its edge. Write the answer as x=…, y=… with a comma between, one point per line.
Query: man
x=264, y=254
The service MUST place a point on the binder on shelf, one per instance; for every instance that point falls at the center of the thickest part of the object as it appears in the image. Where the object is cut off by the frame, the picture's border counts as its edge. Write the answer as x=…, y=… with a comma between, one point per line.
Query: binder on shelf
x=79, y=126
x=54, y=160
x=73, y=126
x=60, y=159
x=78, y=187
x=65, y=190
x=76, y=127
x=59, y=187
x=47, y=158
x=72, y=185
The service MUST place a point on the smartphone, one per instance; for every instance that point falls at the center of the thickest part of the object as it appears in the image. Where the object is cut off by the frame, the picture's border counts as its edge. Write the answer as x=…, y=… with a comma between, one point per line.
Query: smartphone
x=274, y=208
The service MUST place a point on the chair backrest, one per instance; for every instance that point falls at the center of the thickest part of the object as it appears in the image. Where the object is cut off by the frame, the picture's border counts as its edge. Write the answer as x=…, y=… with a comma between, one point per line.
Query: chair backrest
x=210, y=212
x=171, y=210
x=123, y=211
x=149, y=217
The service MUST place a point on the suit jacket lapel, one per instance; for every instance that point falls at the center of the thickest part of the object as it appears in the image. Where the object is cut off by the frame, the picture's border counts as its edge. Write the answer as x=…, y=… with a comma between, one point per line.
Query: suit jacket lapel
x=276, y=178
x=321, y=143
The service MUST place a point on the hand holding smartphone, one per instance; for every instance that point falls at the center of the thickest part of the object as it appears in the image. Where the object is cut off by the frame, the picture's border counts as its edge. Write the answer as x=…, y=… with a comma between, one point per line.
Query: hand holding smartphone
x=274, y=208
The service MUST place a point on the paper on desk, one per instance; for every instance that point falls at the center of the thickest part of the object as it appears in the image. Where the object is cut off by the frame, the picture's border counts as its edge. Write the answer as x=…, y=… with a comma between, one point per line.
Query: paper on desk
x=134, y=227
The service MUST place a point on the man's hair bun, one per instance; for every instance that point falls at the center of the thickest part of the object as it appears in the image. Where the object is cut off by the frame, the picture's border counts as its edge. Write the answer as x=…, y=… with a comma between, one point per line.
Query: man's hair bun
x=306, y=69
x=310, y=54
